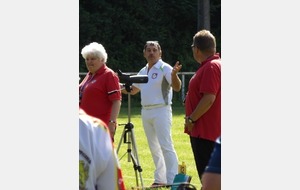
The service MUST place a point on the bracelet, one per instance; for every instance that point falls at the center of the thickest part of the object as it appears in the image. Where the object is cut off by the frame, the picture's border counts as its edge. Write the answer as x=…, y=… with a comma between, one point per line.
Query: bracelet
x=112, y=121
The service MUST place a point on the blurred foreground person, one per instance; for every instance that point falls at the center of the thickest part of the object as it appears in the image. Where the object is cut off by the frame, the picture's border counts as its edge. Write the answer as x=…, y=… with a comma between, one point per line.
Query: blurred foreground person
x=99, y=167
x=211, y=178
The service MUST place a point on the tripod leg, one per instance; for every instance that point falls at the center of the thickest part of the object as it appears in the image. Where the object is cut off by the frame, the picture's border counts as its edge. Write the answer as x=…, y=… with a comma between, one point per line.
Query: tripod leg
x=121, y=139
x=136, y=160
x=128, y=137
x=135, y=167
x=129, y=146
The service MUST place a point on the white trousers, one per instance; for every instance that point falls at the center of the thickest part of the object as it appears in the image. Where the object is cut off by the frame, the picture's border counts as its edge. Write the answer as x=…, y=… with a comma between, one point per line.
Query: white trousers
x=157, y=123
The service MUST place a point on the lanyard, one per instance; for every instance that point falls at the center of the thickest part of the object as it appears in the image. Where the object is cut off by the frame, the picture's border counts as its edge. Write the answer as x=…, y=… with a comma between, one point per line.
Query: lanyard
x=83, y=87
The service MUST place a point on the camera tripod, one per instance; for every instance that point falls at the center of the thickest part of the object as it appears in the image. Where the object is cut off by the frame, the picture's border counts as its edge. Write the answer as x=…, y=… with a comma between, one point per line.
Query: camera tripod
x=129, y=139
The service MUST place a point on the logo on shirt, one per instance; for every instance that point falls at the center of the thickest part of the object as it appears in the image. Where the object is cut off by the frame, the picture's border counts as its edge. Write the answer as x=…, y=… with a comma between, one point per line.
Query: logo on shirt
x=83, y=174
x=154, y=76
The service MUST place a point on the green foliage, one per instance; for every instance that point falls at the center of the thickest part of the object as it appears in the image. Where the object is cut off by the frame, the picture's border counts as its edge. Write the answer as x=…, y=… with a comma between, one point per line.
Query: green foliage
x=180, y=139
x=123, y=27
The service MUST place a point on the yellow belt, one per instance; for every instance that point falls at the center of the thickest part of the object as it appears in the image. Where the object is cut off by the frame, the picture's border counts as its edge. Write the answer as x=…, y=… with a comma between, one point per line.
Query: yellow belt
x=152, y=106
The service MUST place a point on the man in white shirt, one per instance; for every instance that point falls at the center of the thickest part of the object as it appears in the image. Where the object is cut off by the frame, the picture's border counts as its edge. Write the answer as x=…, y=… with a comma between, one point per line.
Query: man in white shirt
x=156, y=100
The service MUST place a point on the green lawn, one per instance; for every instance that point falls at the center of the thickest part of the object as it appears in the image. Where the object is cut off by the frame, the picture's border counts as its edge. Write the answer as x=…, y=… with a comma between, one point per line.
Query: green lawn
x=181, y=143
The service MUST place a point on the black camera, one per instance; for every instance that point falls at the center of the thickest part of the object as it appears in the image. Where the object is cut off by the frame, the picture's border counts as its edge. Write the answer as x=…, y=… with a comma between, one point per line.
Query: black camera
x=129, y=79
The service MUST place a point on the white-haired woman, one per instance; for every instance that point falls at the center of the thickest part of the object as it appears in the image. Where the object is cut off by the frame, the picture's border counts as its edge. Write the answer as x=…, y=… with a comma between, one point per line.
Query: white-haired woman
x=99, y=92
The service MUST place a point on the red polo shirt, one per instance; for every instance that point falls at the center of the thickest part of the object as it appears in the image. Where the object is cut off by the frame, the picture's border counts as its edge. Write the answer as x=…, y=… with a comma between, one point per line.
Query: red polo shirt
x=98, y=92
x=207, y=79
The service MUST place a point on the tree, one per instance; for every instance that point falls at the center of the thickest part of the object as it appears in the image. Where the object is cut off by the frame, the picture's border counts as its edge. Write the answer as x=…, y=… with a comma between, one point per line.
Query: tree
x=123, y=27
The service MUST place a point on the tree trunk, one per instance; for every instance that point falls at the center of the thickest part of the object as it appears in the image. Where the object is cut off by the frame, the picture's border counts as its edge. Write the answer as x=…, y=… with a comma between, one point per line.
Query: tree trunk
x=203, y=15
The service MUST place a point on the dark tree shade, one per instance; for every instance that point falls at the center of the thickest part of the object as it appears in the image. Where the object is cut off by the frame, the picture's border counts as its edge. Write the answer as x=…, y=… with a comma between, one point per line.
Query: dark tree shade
x=124, y=26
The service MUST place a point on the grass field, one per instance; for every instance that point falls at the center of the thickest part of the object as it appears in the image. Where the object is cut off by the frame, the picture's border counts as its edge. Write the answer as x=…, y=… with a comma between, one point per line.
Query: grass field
x=180, y=139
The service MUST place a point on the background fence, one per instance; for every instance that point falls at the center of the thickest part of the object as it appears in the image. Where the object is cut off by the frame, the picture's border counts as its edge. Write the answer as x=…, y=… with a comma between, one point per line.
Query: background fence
x=178, y=97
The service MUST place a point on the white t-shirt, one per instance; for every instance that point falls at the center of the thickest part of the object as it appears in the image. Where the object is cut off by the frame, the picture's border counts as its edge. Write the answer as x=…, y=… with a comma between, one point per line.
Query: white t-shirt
x=98, y=162
x=158, y=89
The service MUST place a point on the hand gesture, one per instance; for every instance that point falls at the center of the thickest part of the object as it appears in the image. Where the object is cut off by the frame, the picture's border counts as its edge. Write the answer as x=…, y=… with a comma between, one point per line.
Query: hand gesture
x=176, y=67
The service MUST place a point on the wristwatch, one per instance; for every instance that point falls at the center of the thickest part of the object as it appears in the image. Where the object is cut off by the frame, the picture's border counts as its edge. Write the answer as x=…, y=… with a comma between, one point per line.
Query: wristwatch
x=190, y=120
x=112, y=121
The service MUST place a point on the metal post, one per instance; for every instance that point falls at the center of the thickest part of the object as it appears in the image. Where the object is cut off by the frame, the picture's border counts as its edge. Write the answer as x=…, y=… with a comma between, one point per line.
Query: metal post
x=203, y=15
x=183, y=87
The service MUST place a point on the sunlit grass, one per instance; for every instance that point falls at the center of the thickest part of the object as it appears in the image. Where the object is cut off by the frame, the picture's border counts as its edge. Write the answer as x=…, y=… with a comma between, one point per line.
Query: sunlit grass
x=181, y=143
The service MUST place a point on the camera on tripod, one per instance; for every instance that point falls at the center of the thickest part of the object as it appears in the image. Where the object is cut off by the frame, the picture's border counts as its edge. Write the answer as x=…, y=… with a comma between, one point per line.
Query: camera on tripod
x=128, y=132
x=128, y=79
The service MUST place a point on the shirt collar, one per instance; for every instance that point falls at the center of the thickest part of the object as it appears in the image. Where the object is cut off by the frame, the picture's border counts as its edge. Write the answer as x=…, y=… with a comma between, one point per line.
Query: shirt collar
x=157, y=65
x=210, y=58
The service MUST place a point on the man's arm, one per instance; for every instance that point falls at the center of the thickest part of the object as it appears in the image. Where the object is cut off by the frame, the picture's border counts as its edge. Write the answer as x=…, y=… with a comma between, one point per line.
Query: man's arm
x=204, y=104
x=133, y=90
x=211, y=181
x=176, y=82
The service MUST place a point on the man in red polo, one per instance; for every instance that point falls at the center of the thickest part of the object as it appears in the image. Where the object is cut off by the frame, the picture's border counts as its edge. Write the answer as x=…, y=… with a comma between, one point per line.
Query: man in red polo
x=203, y=100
